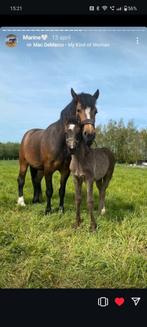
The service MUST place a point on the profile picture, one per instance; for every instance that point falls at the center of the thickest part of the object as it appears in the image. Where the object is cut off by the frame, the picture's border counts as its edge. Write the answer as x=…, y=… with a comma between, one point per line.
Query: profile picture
x=11, y=40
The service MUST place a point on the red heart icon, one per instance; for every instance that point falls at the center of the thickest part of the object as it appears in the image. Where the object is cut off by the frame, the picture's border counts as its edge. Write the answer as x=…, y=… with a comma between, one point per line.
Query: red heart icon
x=119, y=301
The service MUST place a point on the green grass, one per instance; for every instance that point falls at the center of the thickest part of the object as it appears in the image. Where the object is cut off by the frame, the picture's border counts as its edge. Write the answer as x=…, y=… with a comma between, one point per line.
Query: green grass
x=38, y=251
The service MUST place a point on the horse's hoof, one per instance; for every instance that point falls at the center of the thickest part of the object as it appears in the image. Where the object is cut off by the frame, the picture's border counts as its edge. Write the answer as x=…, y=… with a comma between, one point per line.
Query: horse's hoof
x=48, y=211
x=21, y=202
x=35, y=201
x=103, y=211
x=93, y=227
x=61, y=209
x=77, y=224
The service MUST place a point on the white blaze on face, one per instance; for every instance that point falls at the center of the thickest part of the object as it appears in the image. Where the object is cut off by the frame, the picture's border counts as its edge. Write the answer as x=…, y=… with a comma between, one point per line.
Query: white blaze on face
x=21, y=202
x=71, y=126
x=87, y=112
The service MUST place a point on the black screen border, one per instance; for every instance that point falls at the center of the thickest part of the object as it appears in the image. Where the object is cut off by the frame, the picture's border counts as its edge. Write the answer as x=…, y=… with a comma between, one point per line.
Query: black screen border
x=41, y=304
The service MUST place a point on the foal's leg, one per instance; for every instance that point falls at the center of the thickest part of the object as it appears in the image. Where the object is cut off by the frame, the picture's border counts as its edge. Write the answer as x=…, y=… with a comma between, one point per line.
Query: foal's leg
x=101, y=206
x=102, y=185
x=36, y=176
x=21, y=181
x=90, y=204
x=78, y=191
x=49, y=189
x=64, y=177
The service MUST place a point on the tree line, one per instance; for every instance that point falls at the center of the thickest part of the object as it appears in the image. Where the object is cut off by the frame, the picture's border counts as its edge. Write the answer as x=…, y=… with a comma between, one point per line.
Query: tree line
x=9, y=151
x=127, y=142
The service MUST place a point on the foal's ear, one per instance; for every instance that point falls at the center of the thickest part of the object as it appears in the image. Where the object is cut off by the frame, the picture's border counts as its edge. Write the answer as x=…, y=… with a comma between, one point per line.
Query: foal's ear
x=96, y=94
x=65, y=127
x=74, y=94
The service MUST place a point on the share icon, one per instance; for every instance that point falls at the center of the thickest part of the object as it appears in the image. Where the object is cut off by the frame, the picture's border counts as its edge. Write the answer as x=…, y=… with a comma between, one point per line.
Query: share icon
x=136, y=300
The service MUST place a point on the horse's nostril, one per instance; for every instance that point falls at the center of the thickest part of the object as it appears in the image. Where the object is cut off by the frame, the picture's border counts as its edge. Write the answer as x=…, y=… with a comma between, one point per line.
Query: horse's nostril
x=88, y=136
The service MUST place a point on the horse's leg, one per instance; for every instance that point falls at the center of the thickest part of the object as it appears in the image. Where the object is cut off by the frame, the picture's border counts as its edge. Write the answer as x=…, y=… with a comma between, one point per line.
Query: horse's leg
x=102, y=185
x=101, y=206
x=93, y=224
x=64, y=177
x=21, y=181
x=36, y=176
x=49, y=189
x=78, y=191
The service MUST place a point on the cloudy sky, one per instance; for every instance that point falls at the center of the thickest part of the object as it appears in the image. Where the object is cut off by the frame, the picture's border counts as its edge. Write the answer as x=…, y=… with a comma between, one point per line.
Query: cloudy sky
x=35, y=83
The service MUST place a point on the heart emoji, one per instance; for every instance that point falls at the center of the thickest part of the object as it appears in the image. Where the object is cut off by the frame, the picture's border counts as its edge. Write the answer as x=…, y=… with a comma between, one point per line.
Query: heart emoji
x=119, y=301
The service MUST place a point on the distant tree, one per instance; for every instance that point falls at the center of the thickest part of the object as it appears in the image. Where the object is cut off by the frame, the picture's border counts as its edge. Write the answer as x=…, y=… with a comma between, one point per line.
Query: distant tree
x=143, y=144
x=128, y=144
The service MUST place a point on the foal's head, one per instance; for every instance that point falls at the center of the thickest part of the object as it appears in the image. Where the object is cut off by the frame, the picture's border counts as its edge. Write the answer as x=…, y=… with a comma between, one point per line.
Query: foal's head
x=73, y=134
x=85, y=113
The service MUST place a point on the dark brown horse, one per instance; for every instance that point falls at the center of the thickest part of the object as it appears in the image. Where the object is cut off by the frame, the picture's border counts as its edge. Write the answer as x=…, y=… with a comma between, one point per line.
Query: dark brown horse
x=88, y=165
x=45, y=150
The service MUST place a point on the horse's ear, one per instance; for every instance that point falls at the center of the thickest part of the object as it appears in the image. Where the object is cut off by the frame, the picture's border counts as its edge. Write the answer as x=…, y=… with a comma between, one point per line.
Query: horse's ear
x=96, y=94
x=74, y=95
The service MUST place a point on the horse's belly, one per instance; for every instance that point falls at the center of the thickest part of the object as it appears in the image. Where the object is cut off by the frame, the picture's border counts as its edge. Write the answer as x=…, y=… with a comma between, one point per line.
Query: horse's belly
x=57, y=165
x=101, y=169
x=34, y=160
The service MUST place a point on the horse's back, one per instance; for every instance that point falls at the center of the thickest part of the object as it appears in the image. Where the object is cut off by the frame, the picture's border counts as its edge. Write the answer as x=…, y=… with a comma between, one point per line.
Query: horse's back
x=104, y=162
x=108, y=153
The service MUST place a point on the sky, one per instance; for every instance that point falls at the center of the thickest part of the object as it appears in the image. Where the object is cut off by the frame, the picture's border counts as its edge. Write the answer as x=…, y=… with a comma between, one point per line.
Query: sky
x=35, y=82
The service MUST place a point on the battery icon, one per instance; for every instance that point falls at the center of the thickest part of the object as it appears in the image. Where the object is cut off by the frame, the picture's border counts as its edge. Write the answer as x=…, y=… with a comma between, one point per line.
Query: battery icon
x=103, y=301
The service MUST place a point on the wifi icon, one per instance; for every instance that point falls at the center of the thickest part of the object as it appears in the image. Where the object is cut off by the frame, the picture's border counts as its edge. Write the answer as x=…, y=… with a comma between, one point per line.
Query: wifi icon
x=104, y=8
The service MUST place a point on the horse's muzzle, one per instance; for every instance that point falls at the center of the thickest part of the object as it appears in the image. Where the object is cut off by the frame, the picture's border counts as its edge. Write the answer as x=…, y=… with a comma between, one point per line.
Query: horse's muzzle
x=71, y=145
x=88, y=138
x=72, y=151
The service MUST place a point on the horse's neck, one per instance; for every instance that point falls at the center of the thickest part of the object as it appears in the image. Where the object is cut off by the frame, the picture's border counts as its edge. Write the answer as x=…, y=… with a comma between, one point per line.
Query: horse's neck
x=81, y=152
x=79, y=162
x=58, y=125
x=56, y=135
x=68, y=111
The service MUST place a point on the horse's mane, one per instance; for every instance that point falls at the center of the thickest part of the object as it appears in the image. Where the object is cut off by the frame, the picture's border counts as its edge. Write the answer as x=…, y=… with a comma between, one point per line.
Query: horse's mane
x=72, y=120
x=68, y=112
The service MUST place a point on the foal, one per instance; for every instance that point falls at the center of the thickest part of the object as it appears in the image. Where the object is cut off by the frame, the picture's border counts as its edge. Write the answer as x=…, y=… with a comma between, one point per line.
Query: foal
x=88, y=165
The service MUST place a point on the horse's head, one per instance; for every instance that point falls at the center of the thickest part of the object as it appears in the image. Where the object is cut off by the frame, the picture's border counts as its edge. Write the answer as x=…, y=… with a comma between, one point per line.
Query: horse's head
x=73, y=134
x=85, y=113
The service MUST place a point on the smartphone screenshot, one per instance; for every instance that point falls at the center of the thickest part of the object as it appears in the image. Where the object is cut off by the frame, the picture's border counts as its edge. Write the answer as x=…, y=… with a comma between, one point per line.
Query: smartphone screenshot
x=73, y=153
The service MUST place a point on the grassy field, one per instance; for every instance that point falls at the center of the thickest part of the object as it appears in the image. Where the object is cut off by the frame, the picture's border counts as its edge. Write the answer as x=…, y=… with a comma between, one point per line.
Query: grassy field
x=38, y=251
